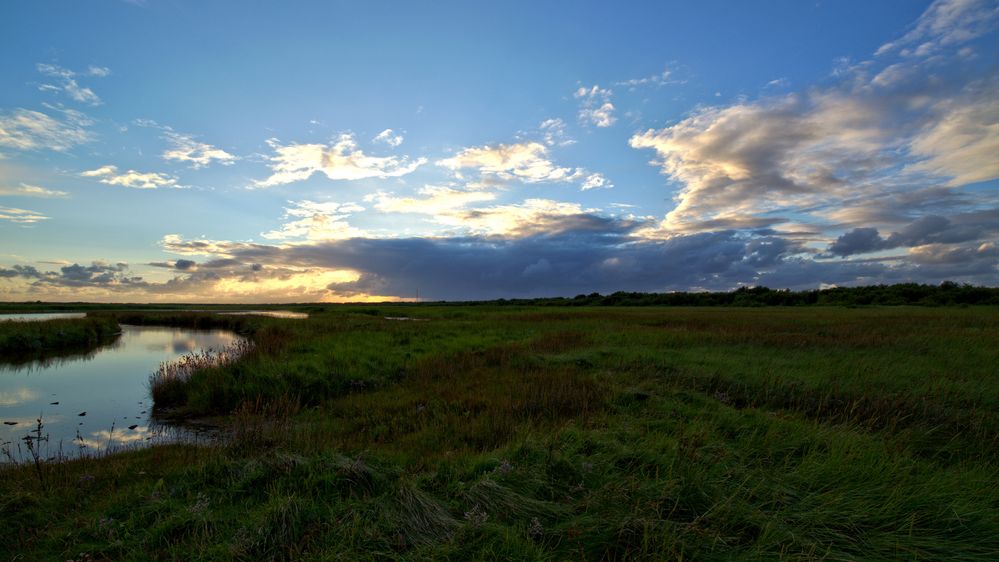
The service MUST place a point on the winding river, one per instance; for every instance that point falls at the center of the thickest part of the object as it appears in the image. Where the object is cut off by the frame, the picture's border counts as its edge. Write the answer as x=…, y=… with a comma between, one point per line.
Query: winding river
x=98, y=401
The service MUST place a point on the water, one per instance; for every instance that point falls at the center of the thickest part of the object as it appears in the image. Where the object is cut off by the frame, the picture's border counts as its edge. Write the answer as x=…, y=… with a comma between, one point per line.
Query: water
x=271, y=313
x=39, y=316
x=110, y=386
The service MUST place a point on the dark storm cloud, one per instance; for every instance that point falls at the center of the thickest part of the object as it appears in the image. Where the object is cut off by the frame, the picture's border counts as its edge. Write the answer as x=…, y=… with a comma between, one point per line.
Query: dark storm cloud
x=930, y=229
x=26, y=271
x=567, y=263
x=98, y=274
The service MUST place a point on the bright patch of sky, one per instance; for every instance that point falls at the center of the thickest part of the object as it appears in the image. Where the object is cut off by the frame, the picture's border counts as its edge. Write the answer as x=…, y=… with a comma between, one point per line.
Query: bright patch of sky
x=190, y=151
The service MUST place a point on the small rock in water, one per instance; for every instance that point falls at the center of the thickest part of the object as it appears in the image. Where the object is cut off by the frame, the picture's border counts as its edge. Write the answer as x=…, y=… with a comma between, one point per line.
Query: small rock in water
x=10, y=423
x=142, y=412
x=82, y=414
x=133, y=426
x=53, y=403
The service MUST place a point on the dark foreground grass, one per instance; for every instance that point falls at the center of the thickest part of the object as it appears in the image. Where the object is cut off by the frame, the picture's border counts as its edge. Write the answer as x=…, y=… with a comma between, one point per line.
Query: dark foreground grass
x=528, y=433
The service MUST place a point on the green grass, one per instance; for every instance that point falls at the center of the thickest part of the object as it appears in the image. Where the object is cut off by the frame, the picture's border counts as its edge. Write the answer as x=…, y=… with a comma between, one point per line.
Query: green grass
x=27, y=341
x=508, y=432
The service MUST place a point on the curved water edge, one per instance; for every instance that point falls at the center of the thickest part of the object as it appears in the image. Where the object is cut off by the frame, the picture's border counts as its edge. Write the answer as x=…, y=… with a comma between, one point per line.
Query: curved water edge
x=101, y=402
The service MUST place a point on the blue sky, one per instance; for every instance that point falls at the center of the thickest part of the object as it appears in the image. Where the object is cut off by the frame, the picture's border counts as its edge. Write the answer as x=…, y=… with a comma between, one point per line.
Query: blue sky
x=302, y=151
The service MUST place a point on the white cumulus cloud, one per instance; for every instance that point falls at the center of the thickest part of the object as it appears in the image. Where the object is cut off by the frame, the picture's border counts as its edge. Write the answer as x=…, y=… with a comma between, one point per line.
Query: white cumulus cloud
x=185, y=148
x=341, y=160
x=389, y=137
x=316, y=221
x=131, y=178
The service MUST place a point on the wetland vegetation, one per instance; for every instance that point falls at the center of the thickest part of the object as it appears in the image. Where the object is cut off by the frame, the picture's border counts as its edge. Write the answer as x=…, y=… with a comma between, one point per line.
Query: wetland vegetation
x=504, y=431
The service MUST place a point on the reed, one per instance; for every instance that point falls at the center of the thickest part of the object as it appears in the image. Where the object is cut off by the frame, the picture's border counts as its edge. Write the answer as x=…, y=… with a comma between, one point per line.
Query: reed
x=169, y=382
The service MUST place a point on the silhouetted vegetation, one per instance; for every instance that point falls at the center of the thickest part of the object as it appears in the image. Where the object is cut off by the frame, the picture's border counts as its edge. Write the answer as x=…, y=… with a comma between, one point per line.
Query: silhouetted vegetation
x=945, y=294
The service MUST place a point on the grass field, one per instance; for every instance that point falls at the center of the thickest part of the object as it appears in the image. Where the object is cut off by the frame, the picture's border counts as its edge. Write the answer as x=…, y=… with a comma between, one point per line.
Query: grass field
x=557, y=433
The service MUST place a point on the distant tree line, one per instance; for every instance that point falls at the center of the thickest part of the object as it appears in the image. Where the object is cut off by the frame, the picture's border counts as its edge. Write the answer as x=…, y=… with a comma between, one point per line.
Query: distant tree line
x=947, y=293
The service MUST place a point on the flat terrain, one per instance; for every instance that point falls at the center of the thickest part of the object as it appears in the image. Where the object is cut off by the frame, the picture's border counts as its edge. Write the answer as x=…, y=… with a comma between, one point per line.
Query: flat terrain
x=554, y=433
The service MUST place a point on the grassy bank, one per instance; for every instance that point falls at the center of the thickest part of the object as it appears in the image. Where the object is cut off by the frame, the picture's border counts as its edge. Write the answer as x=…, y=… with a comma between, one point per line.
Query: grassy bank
x=26, y=341
x=541, y=433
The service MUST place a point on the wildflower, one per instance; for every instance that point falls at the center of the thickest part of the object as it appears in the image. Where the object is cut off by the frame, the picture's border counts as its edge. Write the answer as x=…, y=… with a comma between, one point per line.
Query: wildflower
x=200, y=505
x=535, y=530
x=476, y=516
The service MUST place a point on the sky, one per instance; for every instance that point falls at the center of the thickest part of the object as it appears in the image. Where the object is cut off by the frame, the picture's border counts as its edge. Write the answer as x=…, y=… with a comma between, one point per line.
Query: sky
x=254, y=151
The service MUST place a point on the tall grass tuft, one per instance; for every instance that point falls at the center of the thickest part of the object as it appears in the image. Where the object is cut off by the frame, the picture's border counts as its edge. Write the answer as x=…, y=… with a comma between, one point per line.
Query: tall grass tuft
x=168, y=383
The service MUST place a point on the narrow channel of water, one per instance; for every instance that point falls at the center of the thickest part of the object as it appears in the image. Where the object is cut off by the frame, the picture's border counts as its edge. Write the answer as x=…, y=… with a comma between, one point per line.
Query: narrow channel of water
x=100, y=401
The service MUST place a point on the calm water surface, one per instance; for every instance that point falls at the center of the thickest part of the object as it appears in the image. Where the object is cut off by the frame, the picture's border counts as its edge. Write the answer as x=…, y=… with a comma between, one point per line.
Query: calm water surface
x=270, y=313
x=109, y=386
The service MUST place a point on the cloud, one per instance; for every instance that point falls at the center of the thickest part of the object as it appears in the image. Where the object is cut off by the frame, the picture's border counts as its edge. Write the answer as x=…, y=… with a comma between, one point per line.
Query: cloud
x=542, y=248
x=311, y=220
x=185, y=148
x=20, y=216
x=389, y=137
x=527, y=162
x=434, y=200
x=67, y=82
x=17, y=396
x=175, y=244
x=218, y=280
x=180, y=265
x=595, y=106
x=25, y=129
x=554, y=134
x=654, y=80
x=341, y=160
x=26, y=190
x=594, y=181
x=963, y=141
x=533, y=217
x=753, y=158
x=137, y=180
x=879, y=135
x=97, y=274
x=946, y=23
x=587, y=253
x=927, y=230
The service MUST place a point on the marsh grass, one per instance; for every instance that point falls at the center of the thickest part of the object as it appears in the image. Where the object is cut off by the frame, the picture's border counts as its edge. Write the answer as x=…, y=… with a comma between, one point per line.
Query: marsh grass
x=168, y=383
x=24, y=342
x=591, y=434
